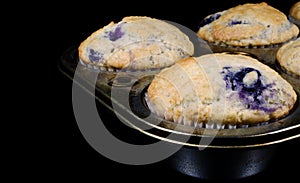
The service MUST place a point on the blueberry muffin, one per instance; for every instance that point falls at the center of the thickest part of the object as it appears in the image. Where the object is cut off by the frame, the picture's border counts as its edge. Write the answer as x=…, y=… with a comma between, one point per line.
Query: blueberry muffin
x=135, y=43
x=222, y=90
x=288, y=58
x=294, y=14
x=255, y=28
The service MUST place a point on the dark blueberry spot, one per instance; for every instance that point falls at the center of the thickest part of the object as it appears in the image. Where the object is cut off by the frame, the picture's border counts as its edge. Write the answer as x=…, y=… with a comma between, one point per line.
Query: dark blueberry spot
x=236, y=22
x=95, y=56
x=209, y=20
x=181, y=52
x=250, y=94
x=116, y=34
x=227, y=76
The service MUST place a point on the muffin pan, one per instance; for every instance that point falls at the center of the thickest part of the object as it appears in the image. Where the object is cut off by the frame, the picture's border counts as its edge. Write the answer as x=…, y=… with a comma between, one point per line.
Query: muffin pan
x=123, y=94
x=292, y=13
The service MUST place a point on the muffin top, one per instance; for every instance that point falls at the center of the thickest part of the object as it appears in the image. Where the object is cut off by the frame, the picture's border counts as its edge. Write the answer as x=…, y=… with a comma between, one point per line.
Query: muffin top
x=136, y=42
x=288, y=56
x=253, y=24
x=221, y=88
x=295, y=11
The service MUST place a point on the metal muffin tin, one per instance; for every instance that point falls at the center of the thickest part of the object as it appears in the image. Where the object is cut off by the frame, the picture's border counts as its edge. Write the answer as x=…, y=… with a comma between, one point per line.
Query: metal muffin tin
x=231, y=153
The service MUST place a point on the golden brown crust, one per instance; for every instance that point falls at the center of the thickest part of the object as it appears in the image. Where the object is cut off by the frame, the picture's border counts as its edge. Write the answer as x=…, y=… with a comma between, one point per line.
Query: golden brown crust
x=136, y=42
x=171, y=95
x=288, y=56
x=250, y=24
x=295, y=11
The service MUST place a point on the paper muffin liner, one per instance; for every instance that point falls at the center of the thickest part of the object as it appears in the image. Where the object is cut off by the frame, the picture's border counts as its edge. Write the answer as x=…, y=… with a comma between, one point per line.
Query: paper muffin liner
x=266, y=53
x=292, y=78
x=98, y=67
x=113, y=69
x=210, y=125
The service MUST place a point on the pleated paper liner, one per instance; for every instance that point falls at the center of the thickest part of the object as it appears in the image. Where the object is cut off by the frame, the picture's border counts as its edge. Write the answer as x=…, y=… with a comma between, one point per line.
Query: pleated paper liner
x=99, y=67
x=264, y=53
x=292, y=78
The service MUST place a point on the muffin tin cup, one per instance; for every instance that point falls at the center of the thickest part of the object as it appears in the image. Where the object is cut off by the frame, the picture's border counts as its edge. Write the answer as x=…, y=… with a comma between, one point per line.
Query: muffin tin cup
x=293, y=79
x=265, y=54
x=97, y=67
x=113, y=69
x=294, y=21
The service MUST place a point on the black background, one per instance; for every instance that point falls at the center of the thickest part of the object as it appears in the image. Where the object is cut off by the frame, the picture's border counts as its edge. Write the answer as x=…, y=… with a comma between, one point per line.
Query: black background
x=63, y=153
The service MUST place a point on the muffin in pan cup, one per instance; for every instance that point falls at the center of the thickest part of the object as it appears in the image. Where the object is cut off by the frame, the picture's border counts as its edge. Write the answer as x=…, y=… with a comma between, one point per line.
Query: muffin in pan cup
x=294, y=14
x=220, y=90
x=255, y=28
x=288, y=62
x=135, y=43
